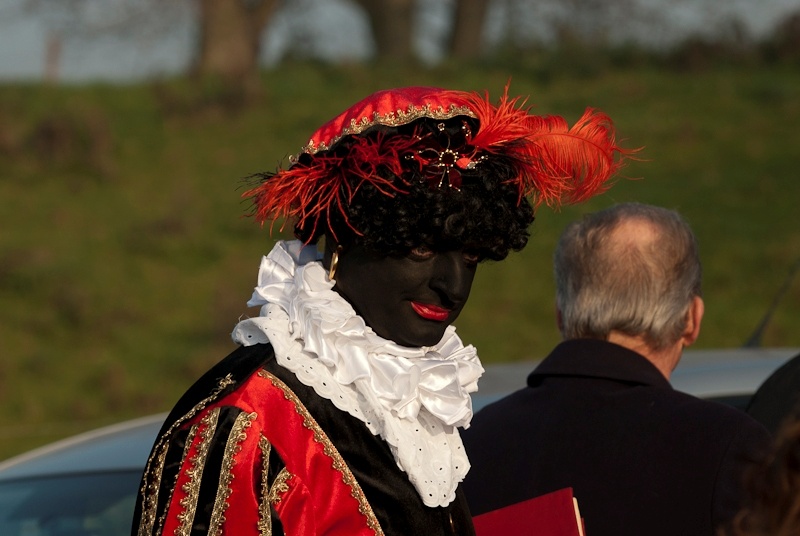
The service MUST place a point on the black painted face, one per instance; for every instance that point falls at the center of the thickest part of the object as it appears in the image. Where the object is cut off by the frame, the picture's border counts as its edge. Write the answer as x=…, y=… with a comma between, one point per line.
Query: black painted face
x=409, y=300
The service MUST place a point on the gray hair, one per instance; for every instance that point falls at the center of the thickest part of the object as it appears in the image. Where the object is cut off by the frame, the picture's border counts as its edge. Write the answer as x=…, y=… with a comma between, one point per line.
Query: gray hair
x=640, y=289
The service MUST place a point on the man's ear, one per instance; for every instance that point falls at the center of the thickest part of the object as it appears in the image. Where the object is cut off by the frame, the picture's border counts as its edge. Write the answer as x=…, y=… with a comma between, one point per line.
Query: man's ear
x=694, y=318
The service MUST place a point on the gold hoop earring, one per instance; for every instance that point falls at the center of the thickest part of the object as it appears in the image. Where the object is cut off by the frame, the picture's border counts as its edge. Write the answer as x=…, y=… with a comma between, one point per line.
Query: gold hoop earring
x=334, y=264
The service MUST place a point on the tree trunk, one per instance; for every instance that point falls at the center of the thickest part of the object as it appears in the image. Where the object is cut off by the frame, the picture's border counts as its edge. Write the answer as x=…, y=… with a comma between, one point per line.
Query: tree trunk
x=52, y=59
x=230, y=38
x=391, y=22
x=466, y=39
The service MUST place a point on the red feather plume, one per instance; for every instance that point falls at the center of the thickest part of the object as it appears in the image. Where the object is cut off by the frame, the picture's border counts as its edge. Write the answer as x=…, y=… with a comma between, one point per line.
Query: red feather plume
x=557, y=164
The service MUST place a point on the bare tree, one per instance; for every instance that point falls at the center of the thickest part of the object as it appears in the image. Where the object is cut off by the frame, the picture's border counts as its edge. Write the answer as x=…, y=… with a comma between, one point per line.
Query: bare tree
x=52, y=61
x=230, y=37
x=784, y=41
x=392, y=27
x=466, y=37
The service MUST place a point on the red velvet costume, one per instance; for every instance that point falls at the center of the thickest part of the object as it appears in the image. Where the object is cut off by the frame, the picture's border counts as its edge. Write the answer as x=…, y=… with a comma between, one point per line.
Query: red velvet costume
x=249, y=450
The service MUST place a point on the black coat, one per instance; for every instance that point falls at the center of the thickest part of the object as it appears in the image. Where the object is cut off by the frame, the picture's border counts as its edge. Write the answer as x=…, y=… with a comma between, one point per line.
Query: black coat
x=642, y=458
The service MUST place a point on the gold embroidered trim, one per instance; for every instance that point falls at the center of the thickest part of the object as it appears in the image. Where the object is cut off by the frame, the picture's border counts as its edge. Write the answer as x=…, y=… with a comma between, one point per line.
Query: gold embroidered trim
x=264, y=513
x=150, y=488
x=269, y=494
x=390, y=119
x=208, y=426
x=155, y=464
x=330, y=450
x=280, y=486
x=189, y=440
x=232, y=447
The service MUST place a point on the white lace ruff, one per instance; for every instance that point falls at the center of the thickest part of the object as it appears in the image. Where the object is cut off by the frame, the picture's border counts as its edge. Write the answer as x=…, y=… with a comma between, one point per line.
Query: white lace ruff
x=414, y=398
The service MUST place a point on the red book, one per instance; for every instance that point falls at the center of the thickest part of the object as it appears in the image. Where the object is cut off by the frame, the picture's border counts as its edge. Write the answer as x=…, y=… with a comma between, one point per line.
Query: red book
x=552, y=514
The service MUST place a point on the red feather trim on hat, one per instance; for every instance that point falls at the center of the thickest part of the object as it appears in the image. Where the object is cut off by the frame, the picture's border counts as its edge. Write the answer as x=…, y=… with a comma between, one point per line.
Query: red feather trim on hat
x=308, y=192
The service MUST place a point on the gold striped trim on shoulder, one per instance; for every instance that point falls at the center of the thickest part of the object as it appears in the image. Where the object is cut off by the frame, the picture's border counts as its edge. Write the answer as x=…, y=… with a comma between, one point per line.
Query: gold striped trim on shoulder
x=232, y=446
x=154, y=469
x=208, y=426
x=189, y=440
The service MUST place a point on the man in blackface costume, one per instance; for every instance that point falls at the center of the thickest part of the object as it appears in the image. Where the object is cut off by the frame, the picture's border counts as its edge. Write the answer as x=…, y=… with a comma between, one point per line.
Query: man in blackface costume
x=339, y=412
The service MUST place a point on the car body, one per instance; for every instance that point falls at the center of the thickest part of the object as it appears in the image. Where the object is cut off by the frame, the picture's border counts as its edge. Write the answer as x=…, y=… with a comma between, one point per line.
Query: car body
x=86, y=485
x=81, y=486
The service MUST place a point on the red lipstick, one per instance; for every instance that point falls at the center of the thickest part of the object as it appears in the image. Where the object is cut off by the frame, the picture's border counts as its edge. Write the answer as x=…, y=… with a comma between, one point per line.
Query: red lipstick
x=431, y=312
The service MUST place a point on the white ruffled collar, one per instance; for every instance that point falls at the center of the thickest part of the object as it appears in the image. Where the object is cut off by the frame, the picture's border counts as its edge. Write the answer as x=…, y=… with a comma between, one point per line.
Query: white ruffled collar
x=391, y=388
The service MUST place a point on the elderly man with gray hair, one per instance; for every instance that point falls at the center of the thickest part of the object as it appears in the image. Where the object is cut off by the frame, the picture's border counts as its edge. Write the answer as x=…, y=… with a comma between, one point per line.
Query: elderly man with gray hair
x=598, y=414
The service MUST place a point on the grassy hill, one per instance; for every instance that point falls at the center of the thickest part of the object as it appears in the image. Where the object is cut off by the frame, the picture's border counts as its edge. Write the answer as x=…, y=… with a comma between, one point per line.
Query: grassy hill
x=125, y=259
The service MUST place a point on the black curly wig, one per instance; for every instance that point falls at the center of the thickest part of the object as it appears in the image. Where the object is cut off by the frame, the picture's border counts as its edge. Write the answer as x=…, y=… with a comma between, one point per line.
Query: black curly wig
x=485, y=214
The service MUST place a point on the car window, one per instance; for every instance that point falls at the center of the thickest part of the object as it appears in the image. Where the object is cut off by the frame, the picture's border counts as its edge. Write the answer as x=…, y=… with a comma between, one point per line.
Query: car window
x=69, y=505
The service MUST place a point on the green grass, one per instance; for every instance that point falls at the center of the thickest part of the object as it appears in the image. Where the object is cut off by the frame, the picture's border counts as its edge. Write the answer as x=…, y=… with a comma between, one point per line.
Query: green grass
x=125, y=259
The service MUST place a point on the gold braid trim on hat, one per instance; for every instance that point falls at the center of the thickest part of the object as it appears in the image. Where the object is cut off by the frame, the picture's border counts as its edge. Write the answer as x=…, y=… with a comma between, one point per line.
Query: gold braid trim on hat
x=390, y=119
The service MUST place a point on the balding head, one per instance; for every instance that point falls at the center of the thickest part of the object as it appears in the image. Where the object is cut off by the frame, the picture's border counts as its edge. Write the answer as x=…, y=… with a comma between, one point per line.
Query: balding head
x=633, y=269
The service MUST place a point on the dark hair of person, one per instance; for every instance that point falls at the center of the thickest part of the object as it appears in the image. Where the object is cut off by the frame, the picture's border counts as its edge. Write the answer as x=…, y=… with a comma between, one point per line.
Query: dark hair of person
x=485, y=214
x=773, y=489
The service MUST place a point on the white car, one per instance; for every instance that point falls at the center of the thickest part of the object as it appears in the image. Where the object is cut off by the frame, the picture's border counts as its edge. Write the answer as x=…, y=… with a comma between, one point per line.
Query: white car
x=86, y=485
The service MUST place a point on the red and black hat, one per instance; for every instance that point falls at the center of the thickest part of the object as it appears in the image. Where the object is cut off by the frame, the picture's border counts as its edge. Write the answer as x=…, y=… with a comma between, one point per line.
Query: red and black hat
x=553, y=163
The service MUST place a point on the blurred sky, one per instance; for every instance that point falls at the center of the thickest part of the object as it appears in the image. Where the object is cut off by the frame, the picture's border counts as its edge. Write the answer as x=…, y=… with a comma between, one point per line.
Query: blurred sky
x=330, y=29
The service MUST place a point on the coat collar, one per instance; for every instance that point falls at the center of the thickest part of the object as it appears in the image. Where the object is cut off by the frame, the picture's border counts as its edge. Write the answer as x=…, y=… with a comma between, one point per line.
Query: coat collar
x=598, y=359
